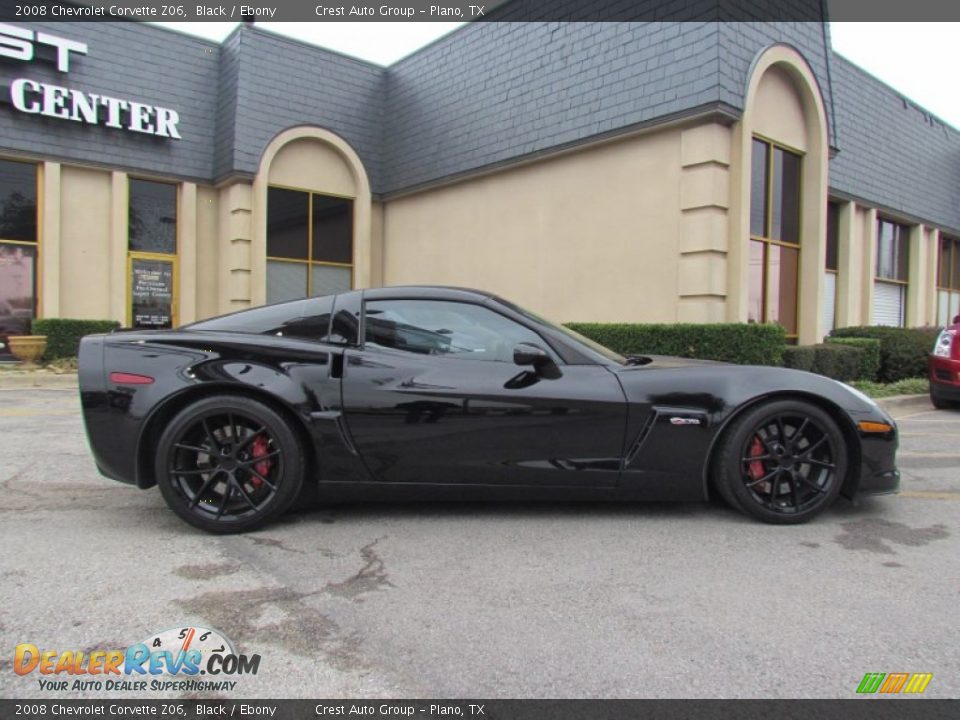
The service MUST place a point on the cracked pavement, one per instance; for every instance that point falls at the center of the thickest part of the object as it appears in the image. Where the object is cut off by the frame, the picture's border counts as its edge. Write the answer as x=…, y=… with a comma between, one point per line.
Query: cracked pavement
x=495, y=600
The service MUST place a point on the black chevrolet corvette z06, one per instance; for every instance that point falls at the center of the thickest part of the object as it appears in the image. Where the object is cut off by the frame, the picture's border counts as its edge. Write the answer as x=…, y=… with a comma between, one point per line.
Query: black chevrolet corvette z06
x=452, y=394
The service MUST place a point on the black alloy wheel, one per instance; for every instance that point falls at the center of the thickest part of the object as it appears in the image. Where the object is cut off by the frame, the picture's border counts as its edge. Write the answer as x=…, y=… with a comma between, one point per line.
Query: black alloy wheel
x=229, y=464
x=782, y=462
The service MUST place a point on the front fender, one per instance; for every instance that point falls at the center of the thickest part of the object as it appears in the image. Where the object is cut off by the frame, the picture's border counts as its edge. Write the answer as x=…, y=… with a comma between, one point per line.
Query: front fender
x=711, y=396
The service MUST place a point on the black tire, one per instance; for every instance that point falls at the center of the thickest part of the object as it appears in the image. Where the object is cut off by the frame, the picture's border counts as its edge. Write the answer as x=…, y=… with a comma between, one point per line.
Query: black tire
x=940, y=404
x=229, y=464
x=782, y=462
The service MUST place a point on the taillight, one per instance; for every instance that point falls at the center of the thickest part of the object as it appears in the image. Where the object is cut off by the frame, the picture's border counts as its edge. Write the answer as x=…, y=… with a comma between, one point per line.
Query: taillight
x=122, y=378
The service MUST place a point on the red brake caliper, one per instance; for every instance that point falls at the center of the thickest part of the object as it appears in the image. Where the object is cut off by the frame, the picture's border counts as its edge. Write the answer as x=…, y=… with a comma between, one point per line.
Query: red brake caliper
x=259, y=448
x=755, y=468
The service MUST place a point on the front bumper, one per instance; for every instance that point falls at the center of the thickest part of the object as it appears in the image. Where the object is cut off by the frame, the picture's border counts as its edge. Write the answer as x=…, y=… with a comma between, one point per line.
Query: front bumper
x=945, y=378
x=878, y=469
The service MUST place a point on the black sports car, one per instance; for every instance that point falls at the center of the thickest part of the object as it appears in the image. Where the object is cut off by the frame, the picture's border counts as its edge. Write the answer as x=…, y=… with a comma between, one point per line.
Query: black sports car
x=445, y=393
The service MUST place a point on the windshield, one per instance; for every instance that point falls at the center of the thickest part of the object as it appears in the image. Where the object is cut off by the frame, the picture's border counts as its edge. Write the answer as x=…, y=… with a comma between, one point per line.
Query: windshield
x=595, y=346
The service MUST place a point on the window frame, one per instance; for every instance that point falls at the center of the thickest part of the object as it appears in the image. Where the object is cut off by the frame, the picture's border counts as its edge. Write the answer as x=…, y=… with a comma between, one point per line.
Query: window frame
x=906, y=241
x=173, y=258
x=37, y=242
x=834, y=208
x=951, y=291
x=953, y=266
x=546, y=344
x=830, y=231
x=309, y=262
x=773, y=145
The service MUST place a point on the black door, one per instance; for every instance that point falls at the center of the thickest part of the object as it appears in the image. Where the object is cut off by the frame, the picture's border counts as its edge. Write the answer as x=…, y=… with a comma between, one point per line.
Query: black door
x=434, y=397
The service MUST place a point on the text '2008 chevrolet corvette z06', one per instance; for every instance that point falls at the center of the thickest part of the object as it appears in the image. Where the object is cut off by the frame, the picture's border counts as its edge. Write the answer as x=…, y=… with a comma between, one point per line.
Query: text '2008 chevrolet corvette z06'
x=445, y=393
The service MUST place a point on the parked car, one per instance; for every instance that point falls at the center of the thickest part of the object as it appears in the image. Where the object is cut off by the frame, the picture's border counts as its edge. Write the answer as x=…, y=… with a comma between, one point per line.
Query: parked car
x=944, y=367
x=445, y=393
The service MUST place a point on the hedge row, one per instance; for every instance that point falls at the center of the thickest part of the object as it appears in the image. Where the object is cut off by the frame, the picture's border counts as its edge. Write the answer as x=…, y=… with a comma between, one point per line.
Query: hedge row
x=835, y=360
x=869, y=367
x=63, y=336
x=903, y=351
x=745, y=344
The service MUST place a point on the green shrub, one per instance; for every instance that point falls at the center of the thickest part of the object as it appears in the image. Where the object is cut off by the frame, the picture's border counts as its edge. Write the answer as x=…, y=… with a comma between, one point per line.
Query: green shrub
x=835, y=360
x=869, y=359
x=903, y=351
x=63, y=335
x=799, y=357
x=910, y=386
x=746, y=344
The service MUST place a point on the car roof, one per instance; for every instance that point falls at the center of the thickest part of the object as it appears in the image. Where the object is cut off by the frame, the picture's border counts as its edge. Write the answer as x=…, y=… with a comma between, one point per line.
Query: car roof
x=431, y=292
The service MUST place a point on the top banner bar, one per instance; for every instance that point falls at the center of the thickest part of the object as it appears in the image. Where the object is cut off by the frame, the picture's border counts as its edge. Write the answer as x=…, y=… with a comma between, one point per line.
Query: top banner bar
x=481, y=10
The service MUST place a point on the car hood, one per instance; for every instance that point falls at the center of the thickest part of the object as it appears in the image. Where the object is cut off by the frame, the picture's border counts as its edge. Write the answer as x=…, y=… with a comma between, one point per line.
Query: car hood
x=716, y=386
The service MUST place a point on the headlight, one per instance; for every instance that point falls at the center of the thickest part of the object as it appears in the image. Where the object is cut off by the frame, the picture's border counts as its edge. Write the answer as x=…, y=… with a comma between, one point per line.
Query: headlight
x=942, y=346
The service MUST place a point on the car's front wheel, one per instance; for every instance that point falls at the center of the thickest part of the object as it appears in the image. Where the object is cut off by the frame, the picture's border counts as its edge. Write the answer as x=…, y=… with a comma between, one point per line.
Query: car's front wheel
x=782, y=462
x=940, y=403
x=229, y=464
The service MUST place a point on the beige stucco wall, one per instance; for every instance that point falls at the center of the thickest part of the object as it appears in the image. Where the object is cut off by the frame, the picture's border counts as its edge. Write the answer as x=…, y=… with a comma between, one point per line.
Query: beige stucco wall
x=311, y=164
x=208, y=255
x=782, y=104
x=779, y=111
x=84, y=241
x=85, y=204
x=590, y=235
x=303, y=158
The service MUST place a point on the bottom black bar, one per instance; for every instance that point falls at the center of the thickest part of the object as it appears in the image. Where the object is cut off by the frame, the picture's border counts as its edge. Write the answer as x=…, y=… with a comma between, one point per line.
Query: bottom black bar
x=875, y=708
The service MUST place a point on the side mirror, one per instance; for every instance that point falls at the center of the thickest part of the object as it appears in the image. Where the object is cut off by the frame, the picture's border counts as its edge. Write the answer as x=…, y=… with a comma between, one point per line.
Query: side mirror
x=530, y=354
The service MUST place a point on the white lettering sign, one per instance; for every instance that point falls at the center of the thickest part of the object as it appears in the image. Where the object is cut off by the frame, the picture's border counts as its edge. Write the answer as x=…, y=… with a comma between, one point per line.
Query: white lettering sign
x=37, y=98
x=18, y=43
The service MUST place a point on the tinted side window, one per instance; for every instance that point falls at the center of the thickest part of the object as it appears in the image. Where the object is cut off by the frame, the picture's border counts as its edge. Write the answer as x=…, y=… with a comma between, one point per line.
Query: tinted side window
x=315, y=323
x=322, y=322
x=267, y=320
x=451, y=329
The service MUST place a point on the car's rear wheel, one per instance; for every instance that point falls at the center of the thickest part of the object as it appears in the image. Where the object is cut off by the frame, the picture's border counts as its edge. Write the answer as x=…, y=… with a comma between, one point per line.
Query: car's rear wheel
x=229, y=464
x=782, y=462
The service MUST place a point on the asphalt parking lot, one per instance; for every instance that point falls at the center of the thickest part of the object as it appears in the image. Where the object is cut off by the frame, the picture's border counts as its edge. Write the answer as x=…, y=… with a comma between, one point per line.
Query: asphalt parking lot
x=485, y=601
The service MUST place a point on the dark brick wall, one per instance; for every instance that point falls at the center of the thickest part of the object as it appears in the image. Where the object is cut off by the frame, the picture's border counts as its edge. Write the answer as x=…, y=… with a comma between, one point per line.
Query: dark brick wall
x=283, y=83
x=742, y=42
x=491, y=92
x=485, y=95
x=893, y=153
x=133, y=62
x=227, y=104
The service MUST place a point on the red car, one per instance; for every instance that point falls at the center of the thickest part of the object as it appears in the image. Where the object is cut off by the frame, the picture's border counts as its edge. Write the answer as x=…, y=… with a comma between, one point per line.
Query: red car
x=945, y=368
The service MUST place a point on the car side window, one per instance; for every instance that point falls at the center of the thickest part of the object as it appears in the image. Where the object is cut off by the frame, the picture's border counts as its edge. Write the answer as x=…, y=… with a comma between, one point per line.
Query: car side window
x=314, y=323
x=446, y=328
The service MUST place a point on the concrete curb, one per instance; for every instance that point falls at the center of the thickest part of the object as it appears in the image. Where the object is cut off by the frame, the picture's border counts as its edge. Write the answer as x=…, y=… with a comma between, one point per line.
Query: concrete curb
x=900, y=405
x=37, y=380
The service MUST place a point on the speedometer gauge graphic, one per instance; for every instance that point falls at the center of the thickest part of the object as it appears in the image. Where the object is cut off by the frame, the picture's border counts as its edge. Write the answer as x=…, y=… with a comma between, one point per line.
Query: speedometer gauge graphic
x=180, y=640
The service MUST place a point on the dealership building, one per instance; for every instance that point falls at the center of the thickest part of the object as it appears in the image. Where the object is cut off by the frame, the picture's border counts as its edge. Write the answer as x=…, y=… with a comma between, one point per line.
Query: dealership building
x=631, y=172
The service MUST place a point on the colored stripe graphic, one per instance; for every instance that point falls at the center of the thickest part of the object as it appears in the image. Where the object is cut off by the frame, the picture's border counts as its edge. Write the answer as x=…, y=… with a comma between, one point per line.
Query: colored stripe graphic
x=918, y=682
x=894, y=683
x=870, y=683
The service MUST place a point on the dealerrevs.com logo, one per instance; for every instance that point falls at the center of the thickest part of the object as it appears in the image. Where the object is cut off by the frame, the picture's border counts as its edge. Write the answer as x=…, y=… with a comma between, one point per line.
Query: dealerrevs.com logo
x=170, y=661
